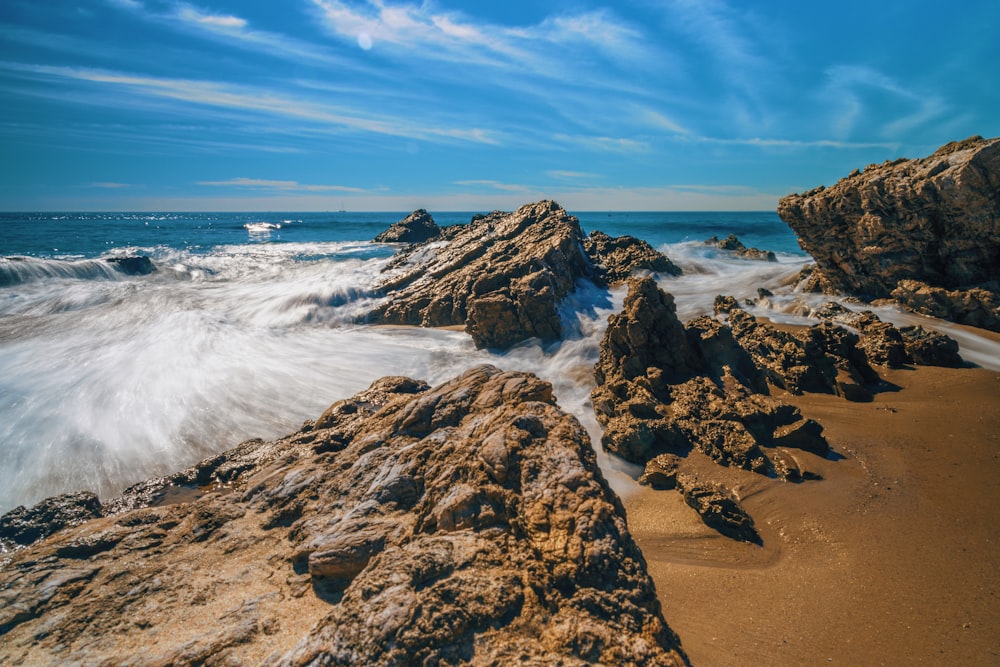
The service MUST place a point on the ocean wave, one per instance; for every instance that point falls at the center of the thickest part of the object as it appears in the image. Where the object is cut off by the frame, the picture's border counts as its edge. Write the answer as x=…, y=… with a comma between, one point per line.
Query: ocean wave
x=20, y=270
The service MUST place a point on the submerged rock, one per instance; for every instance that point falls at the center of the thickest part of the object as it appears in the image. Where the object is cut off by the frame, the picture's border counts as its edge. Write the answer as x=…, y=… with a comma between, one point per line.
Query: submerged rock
x=934, y=220
x=138, y=265
x=734, y=245
x=462, y=524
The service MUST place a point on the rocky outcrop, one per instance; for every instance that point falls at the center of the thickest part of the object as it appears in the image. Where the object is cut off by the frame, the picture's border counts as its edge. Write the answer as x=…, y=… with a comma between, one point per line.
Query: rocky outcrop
x=666, y=389
x=502, y=277
x=735, y=246
x=885, y=345
x=416, y=227
x=618, y=257
x=718, y=508
x=22, y=526
x=934, y=220
x=462, y=524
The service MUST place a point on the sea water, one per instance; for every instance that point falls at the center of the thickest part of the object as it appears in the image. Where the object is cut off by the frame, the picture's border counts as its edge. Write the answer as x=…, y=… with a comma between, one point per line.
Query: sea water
x=249, y=326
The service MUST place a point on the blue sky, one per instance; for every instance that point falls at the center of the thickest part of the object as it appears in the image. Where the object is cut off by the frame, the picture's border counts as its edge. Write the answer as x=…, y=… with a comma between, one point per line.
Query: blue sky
x=393, y=105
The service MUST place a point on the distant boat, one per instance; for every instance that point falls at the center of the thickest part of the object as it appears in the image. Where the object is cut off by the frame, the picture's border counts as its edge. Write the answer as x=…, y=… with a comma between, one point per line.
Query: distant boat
x=342, y=209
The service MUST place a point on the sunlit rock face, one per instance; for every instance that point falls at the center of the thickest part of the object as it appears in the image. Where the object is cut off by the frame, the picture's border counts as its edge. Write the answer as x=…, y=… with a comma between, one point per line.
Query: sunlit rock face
x=925, y=231
x=462, y=524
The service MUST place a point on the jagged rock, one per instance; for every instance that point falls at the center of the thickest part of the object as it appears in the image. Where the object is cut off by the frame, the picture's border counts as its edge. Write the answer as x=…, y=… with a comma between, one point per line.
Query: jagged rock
x=22, y=526
x=933, y=220
x=930, y=348
x=734, y=245
x=823, y=358
x=416, y=227
x=621, y=256
x=462, y=524
x=975, y=307
x=664, y=389
x=138, y=265
x=661, y=472
x=718, y=508
x=501, y=276
x=886, y=345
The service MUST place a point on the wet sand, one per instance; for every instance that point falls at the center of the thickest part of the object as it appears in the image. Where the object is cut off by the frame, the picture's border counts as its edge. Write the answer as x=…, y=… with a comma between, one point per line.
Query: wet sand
x=891, y=559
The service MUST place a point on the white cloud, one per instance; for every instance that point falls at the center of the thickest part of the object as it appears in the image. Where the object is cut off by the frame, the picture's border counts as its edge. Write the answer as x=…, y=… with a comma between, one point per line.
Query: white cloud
x=284, y=186
x=188, y=13
x=254, y=100
x=496, y=185
x=107, y=185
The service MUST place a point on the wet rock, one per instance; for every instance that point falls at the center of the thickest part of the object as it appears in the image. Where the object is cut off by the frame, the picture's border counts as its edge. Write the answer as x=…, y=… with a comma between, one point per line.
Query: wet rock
x=621, y=256
x=734, y=245
x=666, y=389
x=138, y=265
x=501, y=276
x=930, y=348
x=932, y=220
x=975, y=307
x=22, y=526
x=466, y=523
x=417, y=227
x=718, y=508
x=661, y=472
x=885, y=345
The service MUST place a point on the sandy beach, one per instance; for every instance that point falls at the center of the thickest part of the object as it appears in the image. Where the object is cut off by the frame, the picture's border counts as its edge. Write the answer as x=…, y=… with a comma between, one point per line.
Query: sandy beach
x=890, y=559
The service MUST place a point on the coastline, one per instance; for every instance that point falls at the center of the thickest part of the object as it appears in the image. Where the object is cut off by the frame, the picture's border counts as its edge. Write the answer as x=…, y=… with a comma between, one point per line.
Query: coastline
x=890, y=559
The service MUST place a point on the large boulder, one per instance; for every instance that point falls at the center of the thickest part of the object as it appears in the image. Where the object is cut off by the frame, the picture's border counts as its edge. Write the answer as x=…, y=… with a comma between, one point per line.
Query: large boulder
x=462, y=524
x=620, y=256
x=502, y=277
x=934, y=220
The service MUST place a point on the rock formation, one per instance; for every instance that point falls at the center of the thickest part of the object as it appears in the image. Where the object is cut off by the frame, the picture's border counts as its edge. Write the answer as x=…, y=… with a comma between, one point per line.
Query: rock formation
x=135, y=265
x=462, y=524
x=621, y=256
x=503, y=275
x=734, y=245
x=885, y=345
x=416, y=227
x=925, y=231
x=664, y=389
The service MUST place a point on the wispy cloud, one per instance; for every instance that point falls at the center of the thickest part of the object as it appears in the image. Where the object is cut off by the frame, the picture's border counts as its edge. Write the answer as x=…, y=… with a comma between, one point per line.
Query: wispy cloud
x=572, y=175
x=188, y=13
x=264, y=101
x=497, y=185
x=282, y=186
x=107, y=185
x=422, y=31
x=854, y=91
x=604, y=144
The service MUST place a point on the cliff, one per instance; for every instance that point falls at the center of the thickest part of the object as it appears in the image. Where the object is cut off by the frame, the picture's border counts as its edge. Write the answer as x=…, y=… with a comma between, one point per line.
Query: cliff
x=924, y=231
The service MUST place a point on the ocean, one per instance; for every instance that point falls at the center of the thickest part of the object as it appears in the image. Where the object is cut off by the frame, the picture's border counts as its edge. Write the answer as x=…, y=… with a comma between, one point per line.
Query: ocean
x=248, y=327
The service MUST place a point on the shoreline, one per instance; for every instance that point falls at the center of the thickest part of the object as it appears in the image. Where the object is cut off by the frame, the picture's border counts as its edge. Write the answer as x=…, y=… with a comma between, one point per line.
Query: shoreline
x=890, y=559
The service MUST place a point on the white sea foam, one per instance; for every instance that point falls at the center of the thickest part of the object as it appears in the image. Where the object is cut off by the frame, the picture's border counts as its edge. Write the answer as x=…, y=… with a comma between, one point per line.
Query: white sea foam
x=105, y=382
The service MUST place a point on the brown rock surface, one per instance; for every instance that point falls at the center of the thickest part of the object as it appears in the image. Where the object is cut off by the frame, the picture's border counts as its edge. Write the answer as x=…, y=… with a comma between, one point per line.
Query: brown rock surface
x=620, y=256
x=734, y=245
x=464, y=524
x=416, y=227
x=935, y=220
x=502, y=276
x=664, y=389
